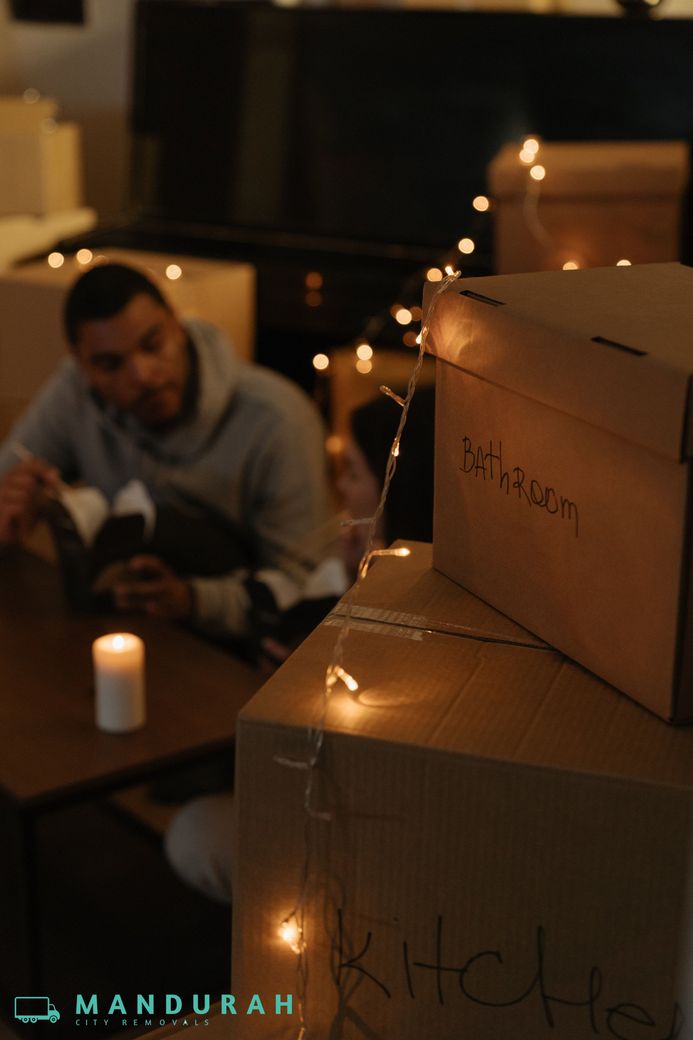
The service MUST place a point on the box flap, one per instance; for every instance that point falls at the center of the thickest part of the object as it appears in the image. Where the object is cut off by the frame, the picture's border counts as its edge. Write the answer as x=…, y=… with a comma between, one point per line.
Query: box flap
x=409, y=593
x=612, y=346
x=622, y=170
x=469, y=696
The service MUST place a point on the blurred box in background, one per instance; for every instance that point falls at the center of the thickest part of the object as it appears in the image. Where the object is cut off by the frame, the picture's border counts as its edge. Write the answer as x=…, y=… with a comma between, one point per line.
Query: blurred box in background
x=598, y=203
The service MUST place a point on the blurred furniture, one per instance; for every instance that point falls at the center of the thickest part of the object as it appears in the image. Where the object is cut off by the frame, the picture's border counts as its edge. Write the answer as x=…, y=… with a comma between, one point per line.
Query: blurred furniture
x=596, y=203
x=32, y=341
x=53, y=755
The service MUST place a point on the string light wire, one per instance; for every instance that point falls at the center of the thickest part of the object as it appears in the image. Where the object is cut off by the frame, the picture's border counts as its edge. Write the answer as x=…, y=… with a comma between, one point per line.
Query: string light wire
x=292, y=928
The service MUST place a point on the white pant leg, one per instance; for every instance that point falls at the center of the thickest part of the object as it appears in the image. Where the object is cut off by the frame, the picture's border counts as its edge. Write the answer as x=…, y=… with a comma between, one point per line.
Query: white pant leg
x=198, y=845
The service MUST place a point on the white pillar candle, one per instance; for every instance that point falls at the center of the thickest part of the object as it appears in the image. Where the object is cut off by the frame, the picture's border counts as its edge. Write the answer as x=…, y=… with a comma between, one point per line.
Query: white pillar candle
x=119, y=682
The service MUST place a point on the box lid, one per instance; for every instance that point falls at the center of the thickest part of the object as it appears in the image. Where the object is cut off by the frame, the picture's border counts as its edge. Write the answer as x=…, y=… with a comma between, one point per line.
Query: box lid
x=595, y=169
x=479, y=697
x=612, y=345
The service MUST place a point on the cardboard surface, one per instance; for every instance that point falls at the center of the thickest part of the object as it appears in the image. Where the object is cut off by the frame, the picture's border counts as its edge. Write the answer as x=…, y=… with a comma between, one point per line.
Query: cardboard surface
x=506, y=854
x=559, y=495
x=41, y=170
x=598, y=203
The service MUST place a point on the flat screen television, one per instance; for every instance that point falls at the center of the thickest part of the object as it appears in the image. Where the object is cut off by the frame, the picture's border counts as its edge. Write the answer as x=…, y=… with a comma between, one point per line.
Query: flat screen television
x=374, y=126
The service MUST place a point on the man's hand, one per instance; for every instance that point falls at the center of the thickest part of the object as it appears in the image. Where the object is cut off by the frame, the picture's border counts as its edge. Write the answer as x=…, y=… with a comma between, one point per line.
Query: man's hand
x=151, y=586
x=23, y=492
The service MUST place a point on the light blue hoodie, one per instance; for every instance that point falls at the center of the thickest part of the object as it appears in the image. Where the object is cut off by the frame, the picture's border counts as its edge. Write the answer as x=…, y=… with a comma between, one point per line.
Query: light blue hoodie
x=252, y=451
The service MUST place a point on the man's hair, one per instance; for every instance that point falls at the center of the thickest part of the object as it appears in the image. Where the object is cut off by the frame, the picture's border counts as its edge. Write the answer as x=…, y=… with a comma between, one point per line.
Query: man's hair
x=103, y=292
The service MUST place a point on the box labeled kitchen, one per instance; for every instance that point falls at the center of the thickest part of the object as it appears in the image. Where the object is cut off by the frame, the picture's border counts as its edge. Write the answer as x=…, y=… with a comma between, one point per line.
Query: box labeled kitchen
x=500, y=844
x=563, y=450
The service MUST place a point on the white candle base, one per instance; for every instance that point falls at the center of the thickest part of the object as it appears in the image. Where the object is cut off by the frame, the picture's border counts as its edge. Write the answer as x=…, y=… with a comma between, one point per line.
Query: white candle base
x=120, y=705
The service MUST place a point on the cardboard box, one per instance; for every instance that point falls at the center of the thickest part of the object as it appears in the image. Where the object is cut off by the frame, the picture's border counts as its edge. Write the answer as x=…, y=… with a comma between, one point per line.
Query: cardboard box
x=31, y=303
x=563, y=449
x=507, y=853
x=599, y=202
x=41, y=169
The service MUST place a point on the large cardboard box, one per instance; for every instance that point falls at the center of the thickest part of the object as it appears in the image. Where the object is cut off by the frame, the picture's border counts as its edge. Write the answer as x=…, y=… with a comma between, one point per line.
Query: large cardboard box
x=563, y=475
x=600, y=202
x=41, y=168
x=31, y=303
x=504, y=850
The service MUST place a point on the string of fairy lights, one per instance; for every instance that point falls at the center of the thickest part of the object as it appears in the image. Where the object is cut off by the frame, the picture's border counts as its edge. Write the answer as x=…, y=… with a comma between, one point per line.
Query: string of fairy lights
x=292, y=927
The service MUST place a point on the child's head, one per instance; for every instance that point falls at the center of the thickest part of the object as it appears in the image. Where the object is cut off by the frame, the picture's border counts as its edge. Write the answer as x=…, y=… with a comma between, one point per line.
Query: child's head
x=409, y=508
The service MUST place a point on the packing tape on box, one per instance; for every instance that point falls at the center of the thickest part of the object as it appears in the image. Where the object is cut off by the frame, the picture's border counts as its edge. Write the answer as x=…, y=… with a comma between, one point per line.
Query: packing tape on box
x=415, y=626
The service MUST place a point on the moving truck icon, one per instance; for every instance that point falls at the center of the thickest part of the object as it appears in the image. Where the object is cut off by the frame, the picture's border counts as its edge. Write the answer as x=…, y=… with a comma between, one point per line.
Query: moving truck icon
x=35, y=1009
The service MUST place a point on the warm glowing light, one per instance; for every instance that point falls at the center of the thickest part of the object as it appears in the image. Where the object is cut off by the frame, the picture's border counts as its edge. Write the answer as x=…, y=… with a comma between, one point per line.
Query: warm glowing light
x=404, y=316
x=173, y=272
x=118, y=643
x=321, y=362
x=336, y=672
x=466, y=245
x=395, y=451
x=314, y=280
x=530, y=144
x=409, y=339
x=571, y=265
x=481, y=203
x=418, y=340
x=291, y=934
x=84, y=256
x=416, y=313
x=313, y=298
x=527, y=157
x=56, y=260
x=537, y=173
x=334, y=444
x=623, y=263
x=449, y=269
x=434, y=274
x=364, y=366
x=364, y=352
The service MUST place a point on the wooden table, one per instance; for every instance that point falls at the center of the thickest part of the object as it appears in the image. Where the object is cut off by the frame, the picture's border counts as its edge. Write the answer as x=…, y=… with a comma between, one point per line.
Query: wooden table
x=50, y=750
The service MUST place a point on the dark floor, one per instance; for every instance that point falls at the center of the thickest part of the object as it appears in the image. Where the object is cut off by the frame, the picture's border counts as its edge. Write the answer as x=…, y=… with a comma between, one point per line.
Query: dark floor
x=117, y=921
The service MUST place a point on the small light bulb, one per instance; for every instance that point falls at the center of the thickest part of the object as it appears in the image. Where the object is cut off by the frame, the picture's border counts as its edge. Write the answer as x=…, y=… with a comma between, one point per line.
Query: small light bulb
x=291, y=934
x=321, y=362
x=364, y=366
x=481, y=203
x=403, y=316
x=418, y=340
x=571, y=265
x=530, y=144
x=173, y=272
x=623, y=263
x=84, y=256
x=537, y=173
x=314, y=280
x=334, y=444
x=449, y=269
x=401, y=552
x=526, y=157
x=434, y=274
x=409, y=338
x=466, y=245
x=364, y=352
x=56, y=260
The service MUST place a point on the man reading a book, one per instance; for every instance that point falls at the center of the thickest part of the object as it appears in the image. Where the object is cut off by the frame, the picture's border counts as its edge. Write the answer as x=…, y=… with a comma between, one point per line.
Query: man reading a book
x=230, y=454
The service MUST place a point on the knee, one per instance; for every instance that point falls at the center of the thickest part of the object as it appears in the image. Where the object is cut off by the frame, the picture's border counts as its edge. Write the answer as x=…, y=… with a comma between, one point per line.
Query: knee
x=199, y=844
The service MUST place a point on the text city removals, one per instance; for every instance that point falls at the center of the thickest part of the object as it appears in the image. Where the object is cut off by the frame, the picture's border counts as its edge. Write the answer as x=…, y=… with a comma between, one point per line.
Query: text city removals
x=487, y=465
x=172, y=1004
